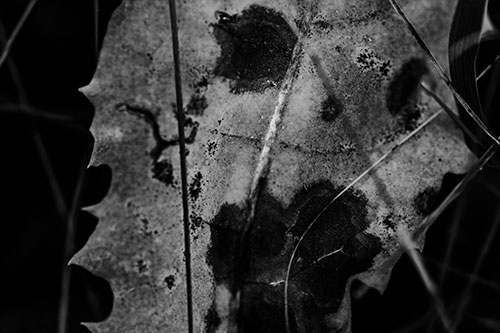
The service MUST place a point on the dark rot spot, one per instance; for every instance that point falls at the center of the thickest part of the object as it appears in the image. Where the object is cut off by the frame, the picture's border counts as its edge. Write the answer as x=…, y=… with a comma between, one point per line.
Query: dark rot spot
x=163, y=172
x=331, y=108
x=197, y=105
x=267, y=239
x=426, y=201
x=341, y=226
x=403, y=87
x=256, y=48
x=316, y=285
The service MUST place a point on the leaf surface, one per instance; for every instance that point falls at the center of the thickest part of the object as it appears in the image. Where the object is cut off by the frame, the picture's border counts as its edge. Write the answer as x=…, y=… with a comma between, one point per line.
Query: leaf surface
x=287, y=104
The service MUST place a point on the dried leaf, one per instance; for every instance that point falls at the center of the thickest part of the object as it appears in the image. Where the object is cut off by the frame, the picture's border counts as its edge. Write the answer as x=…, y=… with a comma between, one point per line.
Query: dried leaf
x=287, y=104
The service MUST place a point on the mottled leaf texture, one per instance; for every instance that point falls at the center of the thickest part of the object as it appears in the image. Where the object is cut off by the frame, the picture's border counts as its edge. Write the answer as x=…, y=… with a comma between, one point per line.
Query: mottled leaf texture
x=287, y=104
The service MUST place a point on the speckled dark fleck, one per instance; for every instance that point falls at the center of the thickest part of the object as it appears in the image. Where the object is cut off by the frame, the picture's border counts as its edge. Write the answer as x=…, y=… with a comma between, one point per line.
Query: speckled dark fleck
x=196, y=222
x=211, y=148
x=169, y=281
x=195, y=186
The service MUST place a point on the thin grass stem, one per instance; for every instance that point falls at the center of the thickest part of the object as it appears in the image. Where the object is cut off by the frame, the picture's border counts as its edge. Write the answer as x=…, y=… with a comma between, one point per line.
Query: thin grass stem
x=8, y=46
x=182, y=152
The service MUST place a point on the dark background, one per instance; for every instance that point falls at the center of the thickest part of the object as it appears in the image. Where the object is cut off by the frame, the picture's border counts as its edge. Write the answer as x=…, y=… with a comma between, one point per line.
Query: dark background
x=54, y=55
